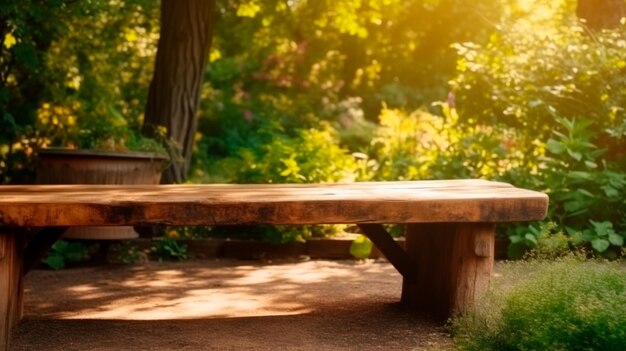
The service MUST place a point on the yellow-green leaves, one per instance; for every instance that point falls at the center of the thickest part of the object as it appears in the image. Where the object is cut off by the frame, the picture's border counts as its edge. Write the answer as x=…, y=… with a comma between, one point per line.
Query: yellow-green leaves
x=9, y=40
x=249, y=9
x=130, y=35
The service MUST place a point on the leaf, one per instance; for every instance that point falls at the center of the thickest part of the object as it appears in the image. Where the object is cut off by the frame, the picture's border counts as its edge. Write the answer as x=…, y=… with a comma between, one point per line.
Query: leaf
x=579, y=175
x=55, y=261
x=603, y=228
x=575, y=155
x=588, y=235
x=60, y=246
x=516, y=251
x=531, y=240
x=591, y=164
x=616, y=239
x=609, y=191
x=555, y=147
x=361, y=247
x=600, y=245
x=572, y=207
x=115, y=117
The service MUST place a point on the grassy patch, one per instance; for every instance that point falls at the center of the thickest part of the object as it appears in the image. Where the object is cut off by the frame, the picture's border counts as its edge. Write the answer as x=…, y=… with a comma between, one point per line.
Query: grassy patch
x=565, y=304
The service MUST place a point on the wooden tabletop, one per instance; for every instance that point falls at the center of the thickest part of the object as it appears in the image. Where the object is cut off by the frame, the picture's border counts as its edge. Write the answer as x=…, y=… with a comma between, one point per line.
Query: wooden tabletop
x=211, y=204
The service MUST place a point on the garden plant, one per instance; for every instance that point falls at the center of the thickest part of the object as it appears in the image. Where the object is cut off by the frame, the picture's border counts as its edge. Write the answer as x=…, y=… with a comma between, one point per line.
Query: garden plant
x=569, y=303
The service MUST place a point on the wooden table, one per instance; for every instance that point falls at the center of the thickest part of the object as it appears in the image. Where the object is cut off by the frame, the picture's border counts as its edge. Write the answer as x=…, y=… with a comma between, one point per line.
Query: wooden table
x=450, y=225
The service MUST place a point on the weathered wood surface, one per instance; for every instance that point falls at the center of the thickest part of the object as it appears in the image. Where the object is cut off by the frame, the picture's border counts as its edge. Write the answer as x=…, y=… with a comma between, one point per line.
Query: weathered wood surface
x=453, y=264
x=215, y=204
x=11, y=288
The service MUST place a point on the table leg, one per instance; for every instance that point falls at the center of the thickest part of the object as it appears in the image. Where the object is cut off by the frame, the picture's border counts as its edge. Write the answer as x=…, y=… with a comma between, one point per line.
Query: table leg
x=11, y=289
x=454, y=262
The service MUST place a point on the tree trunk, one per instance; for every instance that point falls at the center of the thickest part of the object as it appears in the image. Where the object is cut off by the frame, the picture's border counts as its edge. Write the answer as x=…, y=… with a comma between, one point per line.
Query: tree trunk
x=601, y=14
x=185, y=39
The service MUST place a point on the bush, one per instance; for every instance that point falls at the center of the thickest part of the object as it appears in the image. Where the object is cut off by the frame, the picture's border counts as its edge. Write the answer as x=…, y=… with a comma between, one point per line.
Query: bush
x=311, y=156
x=566, y=304
x=560, y=89
x=421, y=145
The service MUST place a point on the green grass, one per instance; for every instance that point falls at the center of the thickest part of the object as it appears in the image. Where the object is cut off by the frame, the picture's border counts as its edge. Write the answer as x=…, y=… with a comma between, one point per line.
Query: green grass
x=564, y=304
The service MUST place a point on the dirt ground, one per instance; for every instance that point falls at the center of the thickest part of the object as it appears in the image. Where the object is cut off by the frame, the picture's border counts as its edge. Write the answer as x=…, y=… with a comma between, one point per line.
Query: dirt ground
x=223, y=305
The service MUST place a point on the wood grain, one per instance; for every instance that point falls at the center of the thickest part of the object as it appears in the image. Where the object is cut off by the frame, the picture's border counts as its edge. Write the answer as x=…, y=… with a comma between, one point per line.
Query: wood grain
x=471, y=270
x=451, y=275
x=217, y=204
x=11, y=289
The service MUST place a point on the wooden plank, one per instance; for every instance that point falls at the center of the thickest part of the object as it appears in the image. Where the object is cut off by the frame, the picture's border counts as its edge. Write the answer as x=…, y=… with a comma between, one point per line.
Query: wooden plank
x=40, y=245
x=11, y=288
x=454, y=265
x=216, y=204
x=390, y=248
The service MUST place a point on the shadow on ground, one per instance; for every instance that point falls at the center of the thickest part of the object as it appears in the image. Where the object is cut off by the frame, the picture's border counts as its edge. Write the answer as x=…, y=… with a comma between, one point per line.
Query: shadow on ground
x=223, y=305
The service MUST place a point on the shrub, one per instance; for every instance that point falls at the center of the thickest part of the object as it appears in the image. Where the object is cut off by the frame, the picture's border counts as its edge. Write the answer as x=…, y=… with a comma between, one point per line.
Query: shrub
x=543, y=240
x=311, y=156
x=566, y=304
x=421, y=145
x=560, y=88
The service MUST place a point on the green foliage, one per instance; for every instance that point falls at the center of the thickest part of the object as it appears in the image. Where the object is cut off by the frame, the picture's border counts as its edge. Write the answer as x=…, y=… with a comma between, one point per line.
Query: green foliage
x=167, y=248
x=602, y=238
x=523, y=238
x=563, y=304
x=558, y=90
x=581, y=183
x=543, y=240
x=311, y=156
x=295, y=63
x=584, y=187
x=128, y=252
x=426, y=146
x=73, y=73
x=63, y=252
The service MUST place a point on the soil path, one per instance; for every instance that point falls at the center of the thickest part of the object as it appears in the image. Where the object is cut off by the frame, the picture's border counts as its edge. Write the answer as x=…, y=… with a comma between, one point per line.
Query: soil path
x=223, y=305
